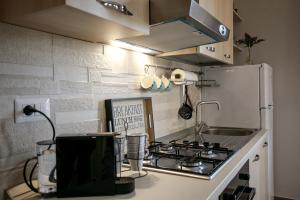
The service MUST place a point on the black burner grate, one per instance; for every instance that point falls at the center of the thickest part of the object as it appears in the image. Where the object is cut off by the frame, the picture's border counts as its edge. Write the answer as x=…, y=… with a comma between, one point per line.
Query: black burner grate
x=188, y=157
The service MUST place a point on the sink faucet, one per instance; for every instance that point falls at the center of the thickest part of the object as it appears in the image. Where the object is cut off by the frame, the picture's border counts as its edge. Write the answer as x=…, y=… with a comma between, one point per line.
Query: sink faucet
x=199, y=127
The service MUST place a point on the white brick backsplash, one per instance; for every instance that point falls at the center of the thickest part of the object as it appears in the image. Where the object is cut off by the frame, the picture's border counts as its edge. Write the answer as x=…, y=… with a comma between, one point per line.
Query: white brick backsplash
x=19, y=91
x=14, y=161
x=76, y=116
x=78, y=53
x=77, y=76
x=72, y=104
x=24, y=46
x=117, y=58
x=26, y=70
x=94, y=75
x=7, y=107
x=164, y=107
x=80, y=127
x=19, y=86
x=111, y=77
x=164, y=127
x=108, y=89
x=71, y=73
x=4, y=148
x=69, y=87
x=19, y=83
x=114, y=79
x=137, y=62
x=167, y=114
x=19, y=138
x=115, y=89
x=135, y=87
x=49, y=87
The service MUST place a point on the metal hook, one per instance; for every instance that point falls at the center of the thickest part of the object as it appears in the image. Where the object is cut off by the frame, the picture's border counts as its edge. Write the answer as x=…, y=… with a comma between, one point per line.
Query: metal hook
x=147, y=69
x=170, y=70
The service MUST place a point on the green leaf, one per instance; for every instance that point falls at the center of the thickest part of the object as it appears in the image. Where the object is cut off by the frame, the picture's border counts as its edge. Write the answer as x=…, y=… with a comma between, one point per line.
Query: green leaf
x=247, y=38
x=259, y=41
x=241, y=41
x=249, y=41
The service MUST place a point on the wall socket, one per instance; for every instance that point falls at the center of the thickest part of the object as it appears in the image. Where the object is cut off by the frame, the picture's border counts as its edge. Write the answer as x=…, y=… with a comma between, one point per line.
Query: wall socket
x=42, y=104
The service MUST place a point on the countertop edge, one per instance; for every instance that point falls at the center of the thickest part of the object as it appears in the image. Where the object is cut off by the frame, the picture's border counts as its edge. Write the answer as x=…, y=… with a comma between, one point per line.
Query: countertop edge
x=237, y=162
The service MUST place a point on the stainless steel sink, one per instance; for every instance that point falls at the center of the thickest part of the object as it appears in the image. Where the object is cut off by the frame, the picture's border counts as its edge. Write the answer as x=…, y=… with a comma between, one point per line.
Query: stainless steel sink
x=228, y=131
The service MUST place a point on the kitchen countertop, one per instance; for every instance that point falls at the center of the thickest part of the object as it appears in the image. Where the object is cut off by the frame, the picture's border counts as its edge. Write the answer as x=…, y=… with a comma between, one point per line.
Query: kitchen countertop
x=164, y=186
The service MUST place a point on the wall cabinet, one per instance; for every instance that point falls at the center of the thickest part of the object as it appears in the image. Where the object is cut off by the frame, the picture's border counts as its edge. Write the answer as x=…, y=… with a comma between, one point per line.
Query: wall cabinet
x=222, y=10
x=90, y=20
x=258, y=169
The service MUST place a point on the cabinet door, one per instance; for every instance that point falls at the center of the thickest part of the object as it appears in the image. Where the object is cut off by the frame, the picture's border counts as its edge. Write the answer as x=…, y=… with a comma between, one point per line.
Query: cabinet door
x=139, y=20
x=258, y=169
x=211, y=50
x=223, y=11
x=254, y=167
x=264, y=171
x=227, y=46
x=88, y=20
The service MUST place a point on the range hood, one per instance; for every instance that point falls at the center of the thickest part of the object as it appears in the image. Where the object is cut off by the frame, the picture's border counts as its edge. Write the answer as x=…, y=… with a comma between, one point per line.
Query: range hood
x=179, y=24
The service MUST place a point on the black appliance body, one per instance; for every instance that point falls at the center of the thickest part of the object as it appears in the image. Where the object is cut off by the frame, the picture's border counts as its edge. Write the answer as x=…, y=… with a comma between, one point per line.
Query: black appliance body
x=86, y=166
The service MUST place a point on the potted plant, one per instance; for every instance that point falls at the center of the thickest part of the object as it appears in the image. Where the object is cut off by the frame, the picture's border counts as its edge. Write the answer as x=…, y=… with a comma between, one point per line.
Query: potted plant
x=249, y=42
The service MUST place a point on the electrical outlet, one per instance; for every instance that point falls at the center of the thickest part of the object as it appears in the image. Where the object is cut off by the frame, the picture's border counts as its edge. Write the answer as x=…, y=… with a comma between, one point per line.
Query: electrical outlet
x=42, y=104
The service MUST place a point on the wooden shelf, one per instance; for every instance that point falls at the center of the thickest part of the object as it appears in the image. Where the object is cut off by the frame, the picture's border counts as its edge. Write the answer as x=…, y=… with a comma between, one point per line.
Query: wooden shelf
x=237, y=48
x=237, y=17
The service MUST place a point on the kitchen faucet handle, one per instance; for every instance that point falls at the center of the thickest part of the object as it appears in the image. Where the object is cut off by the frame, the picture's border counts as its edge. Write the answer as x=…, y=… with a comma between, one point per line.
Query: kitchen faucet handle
x=200, y=127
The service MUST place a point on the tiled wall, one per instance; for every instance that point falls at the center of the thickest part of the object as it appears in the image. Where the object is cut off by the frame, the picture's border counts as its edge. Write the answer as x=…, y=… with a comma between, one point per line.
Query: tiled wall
x=77, y=76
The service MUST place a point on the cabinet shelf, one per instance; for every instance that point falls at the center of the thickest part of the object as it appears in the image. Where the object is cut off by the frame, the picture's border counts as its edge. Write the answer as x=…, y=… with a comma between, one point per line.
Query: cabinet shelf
x=237, y=17
x=237, y=48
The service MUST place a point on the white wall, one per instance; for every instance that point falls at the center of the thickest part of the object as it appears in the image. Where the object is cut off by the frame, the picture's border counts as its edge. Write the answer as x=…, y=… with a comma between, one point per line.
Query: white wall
x=278, y=21
x=77, y=76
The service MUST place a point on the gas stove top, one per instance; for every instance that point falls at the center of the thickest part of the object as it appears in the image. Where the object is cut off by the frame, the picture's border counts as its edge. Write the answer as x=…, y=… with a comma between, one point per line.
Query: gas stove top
x=186, y=158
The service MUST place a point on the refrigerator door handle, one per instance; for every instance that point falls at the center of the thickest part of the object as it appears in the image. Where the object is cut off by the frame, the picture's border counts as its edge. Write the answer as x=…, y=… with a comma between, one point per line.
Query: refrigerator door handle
x=264, y=108
x=267, y=108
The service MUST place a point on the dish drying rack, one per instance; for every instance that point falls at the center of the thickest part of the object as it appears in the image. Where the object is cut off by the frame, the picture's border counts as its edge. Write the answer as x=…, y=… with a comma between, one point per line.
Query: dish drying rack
x=207, y=83
x=200, y=84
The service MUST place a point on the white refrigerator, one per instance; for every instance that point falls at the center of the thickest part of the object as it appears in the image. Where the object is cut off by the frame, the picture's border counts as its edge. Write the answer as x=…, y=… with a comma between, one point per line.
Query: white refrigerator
x=246, y=97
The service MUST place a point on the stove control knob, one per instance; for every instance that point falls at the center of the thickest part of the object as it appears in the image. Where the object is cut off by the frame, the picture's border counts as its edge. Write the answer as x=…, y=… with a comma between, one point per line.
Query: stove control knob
x=217, y=145
x=206, y=144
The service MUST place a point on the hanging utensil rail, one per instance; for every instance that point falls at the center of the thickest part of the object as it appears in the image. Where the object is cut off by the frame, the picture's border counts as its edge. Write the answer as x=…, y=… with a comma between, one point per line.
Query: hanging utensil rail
x=147, y=66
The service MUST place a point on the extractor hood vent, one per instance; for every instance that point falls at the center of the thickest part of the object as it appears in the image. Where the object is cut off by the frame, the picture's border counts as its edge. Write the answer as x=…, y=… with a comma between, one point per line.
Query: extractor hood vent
x=179, y=24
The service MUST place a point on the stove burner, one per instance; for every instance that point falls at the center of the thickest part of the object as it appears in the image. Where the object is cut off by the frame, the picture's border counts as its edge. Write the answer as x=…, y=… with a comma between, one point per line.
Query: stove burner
x=149, y=159
x=193, y=162
x=195, y=144
x=208, y=145
x=166, y=149
x=208, y=154
x=217, y=145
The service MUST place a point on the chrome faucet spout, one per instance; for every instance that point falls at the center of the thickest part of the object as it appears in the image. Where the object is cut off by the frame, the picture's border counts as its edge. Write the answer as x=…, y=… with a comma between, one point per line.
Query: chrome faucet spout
x=200, y=103
x=202, y=125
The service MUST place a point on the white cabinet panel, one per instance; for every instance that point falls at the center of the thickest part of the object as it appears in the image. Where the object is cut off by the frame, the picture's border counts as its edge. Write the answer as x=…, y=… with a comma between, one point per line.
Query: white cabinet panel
x=258, y=169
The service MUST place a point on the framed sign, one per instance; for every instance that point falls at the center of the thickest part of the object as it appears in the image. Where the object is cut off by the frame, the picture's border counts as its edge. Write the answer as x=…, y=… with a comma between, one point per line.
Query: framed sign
x=134, y=115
